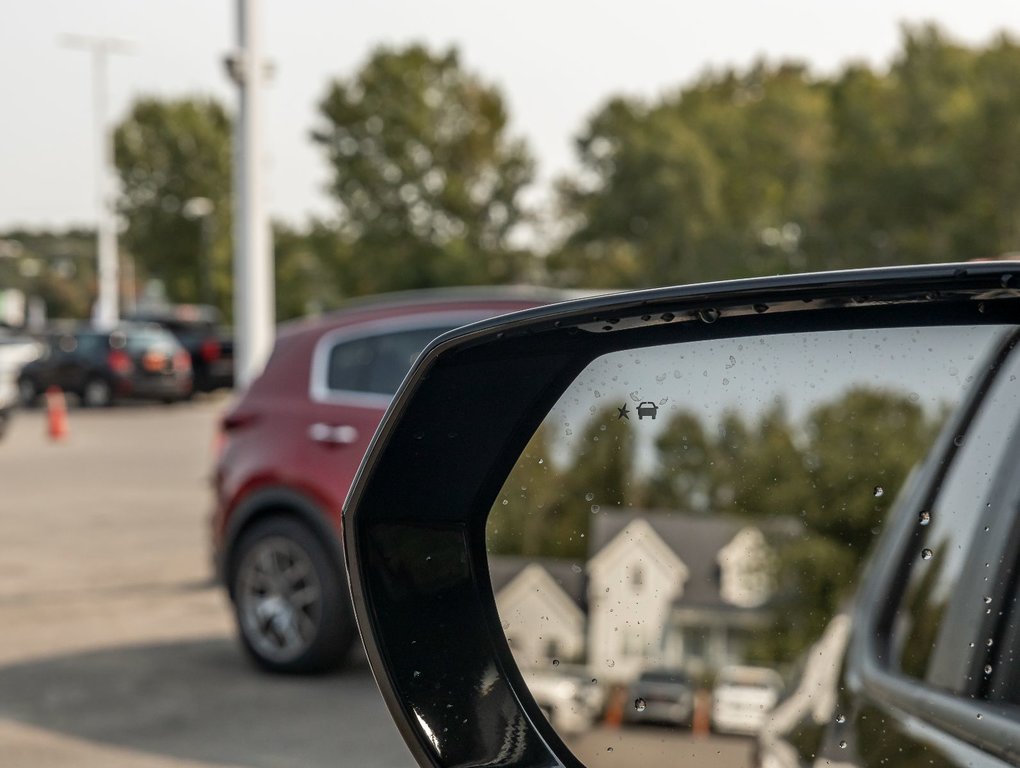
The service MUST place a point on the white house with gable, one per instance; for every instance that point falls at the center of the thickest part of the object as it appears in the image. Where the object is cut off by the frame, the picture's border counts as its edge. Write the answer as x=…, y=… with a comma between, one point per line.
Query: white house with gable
x=538, y=605
x=632, y=581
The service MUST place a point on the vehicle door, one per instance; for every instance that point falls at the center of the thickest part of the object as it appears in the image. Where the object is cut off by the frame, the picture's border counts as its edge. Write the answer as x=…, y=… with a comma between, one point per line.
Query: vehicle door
x=82, y=359
x=940, y=686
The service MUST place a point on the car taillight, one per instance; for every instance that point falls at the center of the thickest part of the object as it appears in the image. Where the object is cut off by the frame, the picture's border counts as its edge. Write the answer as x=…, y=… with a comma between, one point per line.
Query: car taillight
x=119, y=361
x=210, y=350
x=182, y=360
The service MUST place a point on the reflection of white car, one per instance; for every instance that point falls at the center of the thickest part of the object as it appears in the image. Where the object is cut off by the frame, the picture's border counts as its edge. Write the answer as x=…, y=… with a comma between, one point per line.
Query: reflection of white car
x=743, y=698
x=570, y=703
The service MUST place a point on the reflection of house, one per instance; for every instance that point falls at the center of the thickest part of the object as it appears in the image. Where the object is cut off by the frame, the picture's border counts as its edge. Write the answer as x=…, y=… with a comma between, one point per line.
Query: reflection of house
x=661, y=589
x=674, y=590
x=540, y=605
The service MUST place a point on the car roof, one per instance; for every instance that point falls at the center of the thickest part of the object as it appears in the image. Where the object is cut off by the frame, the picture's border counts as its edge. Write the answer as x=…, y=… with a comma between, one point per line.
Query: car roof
x=407, y=302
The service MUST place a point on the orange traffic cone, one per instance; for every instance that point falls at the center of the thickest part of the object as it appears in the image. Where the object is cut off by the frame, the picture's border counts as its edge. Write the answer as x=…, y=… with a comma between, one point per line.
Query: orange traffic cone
x=701, y=721
x=56, y=413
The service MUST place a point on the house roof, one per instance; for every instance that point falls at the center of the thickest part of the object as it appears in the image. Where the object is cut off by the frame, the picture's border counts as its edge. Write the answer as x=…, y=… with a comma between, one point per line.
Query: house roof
x=568, y=574
x=696, y=540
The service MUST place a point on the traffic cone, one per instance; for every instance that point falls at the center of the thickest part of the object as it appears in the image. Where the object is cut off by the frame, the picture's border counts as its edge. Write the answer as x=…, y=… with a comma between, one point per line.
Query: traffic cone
x=701, y=721
x=56, y=413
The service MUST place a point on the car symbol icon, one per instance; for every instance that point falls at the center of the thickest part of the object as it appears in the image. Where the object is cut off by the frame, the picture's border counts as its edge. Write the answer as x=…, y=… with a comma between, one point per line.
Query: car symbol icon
x=648, y=409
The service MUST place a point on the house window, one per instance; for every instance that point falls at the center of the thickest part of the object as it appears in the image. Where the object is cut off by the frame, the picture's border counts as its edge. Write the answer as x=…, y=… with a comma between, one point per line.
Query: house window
x=637, y=577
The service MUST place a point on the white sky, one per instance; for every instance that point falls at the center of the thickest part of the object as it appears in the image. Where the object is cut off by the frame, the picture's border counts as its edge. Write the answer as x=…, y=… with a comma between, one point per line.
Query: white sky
x=555, y=61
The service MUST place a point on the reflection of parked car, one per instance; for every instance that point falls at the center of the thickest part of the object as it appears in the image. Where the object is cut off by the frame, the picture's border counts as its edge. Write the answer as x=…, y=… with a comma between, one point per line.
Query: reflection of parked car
x=290, y=448
x=133, y=361
x=571, y=702
x=660, y=696
x=15, y=352
x=743, y=697
x=197, y=328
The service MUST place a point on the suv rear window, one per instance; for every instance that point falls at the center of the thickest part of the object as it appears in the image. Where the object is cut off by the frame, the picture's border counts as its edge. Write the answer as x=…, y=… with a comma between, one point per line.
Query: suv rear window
x=377, y=364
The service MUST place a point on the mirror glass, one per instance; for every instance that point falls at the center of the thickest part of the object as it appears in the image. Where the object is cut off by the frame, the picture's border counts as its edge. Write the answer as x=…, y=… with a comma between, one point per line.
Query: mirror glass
x=683, y=532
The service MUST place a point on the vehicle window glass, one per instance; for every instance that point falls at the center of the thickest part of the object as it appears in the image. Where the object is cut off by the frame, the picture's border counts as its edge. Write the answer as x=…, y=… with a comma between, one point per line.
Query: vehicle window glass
x=149, y=339
x=377, y=364
x=929, y=625
x=89, y=344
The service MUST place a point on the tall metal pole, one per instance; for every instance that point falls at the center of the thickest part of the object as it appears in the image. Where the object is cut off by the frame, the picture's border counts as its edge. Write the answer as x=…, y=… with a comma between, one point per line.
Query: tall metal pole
x=254, y=311
x=107, y=309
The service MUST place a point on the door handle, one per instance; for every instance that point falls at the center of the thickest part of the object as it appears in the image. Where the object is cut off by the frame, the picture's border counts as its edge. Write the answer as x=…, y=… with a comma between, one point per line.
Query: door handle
x=333, y=435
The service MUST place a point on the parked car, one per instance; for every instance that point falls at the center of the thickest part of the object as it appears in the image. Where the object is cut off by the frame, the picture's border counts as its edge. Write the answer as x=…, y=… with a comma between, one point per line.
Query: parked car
x=198, y=328
x=15, y=352
x=743, y=698
x=100, y=367
x=289, y=449
x=663, y=696
x=569, y=699
x=921, y=671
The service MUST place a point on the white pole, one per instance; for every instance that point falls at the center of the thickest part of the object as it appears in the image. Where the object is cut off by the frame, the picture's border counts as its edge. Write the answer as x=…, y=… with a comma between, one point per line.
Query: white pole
x=107, y=309
x=254, y=311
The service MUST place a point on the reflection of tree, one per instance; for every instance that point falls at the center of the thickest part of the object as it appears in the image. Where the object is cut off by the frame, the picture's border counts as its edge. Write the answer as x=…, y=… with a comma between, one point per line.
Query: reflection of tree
x=547, y=508
x=821, y=472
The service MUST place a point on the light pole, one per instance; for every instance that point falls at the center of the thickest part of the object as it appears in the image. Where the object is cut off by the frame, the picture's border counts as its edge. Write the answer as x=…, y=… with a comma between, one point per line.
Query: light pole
x=254, y=303
x=201, y=209
x=107, y=310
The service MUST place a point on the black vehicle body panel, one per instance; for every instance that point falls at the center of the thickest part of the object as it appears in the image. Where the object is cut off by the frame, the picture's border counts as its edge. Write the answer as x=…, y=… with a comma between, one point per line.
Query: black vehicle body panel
x=415, y=519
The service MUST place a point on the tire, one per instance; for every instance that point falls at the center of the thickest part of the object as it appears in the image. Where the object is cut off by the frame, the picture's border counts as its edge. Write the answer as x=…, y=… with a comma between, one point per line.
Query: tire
x=28, y=392
x=290, y=599
x=97, y=393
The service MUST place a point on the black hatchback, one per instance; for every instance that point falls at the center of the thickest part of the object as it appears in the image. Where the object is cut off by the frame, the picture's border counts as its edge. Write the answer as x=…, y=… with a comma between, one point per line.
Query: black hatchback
x=132, y=361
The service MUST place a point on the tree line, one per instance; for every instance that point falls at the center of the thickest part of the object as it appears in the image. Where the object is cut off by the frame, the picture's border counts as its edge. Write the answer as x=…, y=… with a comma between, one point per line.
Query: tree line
x=745, y=171
x=819, y=486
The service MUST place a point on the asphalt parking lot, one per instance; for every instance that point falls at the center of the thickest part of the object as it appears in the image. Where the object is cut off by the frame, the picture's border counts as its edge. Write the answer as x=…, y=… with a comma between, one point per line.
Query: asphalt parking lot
x=117, y=649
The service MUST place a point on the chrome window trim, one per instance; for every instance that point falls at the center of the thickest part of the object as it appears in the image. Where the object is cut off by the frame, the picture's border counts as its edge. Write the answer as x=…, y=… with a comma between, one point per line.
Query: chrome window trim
x=318, y=388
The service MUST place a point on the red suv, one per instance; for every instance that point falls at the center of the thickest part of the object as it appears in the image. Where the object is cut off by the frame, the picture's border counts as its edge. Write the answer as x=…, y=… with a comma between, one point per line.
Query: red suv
x=290, y=447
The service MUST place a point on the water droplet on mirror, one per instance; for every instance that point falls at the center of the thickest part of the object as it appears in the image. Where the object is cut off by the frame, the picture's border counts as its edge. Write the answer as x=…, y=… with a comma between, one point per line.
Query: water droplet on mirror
x=541, y=461
x=639, y=704
x=416, y=674
x=595, y=508
x=556, y=662
x=759, y=308
x=609, y=662
x=926, y=554
x=988, y=669
x=840, y=719
x=594, y=681
x=958, y=441
x=989, y=642
x=978, y=715
x=589, y=496
x=879, y=491
x=842, y=745
x=988, y=600
x=505, y=502
x=609, y=749
x=576, y=568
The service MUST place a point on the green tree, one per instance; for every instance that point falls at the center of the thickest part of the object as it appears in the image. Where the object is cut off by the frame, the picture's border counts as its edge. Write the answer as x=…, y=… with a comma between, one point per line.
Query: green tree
x=426, y=179
x=717, y=180
x=170, y=152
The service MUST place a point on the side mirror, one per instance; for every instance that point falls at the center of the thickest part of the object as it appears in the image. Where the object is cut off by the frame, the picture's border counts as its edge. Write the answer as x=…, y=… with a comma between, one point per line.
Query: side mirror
x=666, y=506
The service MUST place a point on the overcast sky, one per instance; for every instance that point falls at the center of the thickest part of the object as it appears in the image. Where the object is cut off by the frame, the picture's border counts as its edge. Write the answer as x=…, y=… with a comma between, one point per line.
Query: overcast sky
x=555, y=61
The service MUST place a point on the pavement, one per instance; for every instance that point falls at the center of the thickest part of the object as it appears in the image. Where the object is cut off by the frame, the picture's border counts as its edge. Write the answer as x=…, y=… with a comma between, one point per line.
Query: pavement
x=117, y=649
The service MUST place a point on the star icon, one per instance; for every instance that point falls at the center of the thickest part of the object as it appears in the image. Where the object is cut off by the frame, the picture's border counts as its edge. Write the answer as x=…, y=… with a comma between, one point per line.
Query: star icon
x=624, y=413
